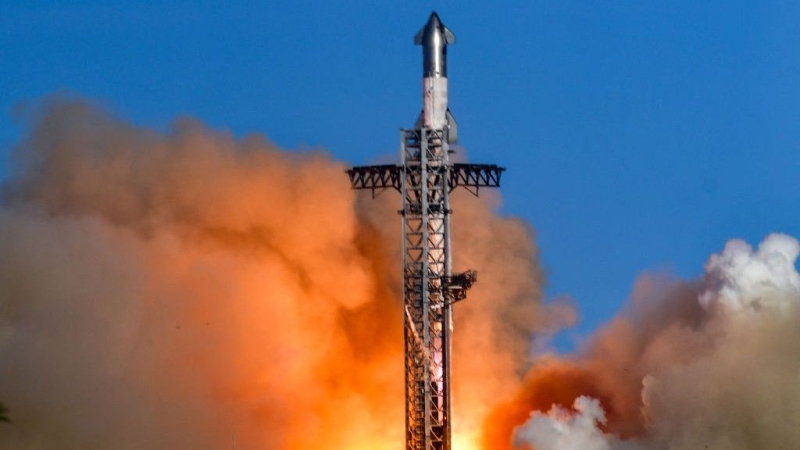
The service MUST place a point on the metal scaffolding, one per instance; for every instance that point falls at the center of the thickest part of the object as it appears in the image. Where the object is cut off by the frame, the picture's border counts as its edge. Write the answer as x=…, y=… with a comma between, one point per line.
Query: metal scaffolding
x=425, y=180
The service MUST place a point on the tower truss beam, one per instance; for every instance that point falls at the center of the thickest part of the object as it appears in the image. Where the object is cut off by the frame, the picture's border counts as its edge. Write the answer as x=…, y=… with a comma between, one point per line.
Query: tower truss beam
x=425, y=180
x=389, y=176
x=376, y=178
x=426, y=262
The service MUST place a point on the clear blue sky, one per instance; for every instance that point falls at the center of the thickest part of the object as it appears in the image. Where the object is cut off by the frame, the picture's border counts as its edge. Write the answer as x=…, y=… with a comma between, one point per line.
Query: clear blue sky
x=638, y=135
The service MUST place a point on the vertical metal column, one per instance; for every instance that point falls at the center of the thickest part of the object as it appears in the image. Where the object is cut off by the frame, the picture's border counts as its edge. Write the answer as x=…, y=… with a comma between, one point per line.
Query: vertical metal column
x=425, y=180
x=426, y=272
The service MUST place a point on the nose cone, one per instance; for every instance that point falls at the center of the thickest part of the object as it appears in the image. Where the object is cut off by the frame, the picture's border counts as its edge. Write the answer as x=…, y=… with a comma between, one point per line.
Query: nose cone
x=434, y=23
x=434, y=30
x=434, y=38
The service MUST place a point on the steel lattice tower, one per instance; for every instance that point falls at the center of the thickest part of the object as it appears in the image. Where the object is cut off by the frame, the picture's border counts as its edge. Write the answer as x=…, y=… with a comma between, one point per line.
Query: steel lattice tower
x=425, y=179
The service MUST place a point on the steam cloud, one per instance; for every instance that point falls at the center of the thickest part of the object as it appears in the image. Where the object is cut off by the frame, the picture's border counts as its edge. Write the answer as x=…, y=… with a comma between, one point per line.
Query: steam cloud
x=560, y=428
x=187, y=290
x=710, y=365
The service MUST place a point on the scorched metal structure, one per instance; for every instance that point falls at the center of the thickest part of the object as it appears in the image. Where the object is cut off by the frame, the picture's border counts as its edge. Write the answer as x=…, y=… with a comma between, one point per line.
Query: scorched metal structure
x=425, y=179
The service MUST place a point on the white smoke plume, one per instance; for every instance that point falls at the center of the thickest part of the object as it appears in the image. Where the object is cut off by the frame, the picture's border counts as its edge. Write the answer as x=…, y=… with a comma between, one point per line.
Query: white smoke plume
x=740, y=278
x=724, y=377
x=561, y=429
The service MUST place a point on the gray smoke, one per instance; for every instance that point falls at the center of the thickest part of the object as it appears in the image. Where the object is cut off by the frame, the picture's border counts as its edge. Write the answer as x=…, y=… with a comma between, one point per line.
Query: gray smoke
x=725, y=377
x=190, y=290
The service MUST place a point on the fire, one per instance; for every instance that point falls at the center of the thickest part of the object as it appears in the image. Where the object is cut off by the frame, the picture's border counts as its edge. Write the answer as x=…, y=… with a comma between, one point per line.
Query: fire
x=466, y=441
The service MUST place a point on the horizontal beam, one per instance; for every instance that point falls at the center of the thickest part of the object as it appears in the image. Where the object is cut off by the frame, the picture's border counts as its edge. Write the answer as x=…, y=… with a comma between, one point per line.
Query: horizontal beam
x=376, y=178
x=472, y=177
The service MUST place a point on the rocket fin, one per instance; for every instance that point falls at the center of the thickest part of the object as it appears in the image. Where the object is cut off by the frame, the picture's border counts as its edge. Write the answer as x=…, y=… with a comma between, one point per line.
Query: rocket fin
x=418, y=37
x=452, y=128
x=449, y=37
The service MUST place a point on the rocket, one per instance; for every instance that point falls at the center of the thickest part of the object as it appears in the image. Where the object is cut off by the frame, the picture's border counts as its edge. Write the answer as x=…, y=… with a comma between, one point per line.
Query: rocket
x=434, y=38
x=430, y=287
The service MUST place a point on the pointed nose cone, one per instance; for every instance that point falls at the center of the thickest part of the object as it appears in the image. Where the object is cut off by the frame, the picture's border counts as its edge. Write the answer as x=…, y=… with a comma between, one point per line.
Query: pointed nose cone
x=433, y=22
x=434, y=38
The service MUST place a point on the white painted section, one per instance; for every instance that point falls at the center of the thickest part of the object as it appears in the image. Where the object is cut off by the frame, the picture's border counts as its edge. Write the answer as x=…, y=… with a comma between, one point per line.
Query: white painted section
x=434, y=102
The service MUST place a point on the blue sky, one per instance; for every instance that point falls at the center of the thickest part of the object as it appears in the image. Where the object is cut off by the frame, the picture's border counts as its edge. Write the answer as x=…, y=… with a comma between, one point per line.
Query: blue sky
x=638, y=136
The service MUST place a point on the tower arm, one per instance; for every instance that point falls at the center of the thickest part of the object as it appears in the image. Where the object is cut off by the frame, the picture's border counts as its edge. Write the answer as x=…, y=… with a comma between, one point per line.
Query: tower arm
x=475, y=176
x=456, y=285
x=376, y=178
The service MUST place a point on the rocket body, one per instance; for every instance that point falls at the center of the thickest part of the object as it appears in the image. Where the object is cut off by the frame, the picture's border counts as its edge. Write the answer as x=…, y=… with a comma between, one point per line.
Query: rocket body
x=434, y=38
x=434, y=102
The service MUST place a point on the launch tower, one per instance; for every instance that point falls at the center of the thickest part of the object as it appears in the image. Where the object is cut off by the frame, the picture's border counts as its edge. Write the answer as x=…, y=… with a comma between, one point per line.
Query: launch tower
x=425, y=179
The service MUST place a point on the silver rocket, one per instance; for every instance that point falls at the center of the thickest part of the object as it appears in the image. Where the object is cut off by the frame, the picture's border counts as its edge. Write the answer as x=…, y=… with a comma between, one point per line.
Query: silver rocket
x=434, y=38
x=425, y=179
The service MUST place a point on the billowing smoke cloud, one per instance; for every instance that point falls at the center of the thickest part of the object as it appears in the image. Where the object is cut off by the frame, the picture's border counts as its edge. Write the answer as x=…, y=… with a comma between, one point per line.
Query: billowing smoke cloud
x=191, y=290
x=709, y=365
x=188, y=290
x=561, y=428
